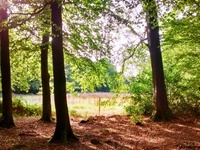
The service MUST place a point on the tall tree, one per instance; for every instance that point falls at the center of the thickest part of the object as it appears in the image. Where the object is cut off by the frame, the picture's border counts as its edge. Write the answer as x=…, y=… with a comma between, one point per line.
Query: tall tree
x=46, y=95
x=63, y=131
x=7, y=117
x=160, y=96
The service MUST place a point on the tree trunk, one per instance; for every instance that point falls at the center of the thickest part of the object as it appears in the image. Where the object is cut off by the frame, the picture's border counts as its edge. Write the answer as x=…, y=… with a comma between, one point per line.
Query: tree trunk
x=63, y=131
x=7, y=117
x=46, y=95
x=162, y=111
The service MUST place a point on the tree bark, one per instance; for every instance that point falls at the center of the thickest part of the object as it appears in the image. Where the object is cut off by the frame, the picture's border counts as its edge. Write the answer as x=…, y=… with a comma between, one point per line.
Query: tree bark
x=46, y=94
x=162, y=111
x=7, y=117
x=63, y=131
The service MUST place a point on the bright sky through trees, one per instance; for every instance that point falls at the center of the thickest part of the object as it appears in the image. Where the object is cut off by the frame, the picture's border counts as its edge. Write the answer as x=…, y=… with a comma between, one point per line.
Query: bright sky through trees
x=120, y=37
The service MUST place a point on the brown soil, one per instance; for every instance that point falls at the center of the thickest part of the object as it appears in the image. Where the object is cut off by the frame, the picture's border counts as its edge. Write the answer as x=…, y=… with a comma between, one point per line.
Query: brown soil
x=105, y=132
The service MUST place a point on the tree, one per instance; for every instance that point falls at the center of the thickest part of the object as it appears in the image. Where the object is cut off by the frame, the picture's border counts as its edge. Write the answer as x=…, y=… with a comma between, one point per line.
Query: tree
x=24, y=43
x=7, y=117
x=159, y=90
x=93, y=76
x=46, y=95
x=63, y=131
x=181, y=57
x=81, y=34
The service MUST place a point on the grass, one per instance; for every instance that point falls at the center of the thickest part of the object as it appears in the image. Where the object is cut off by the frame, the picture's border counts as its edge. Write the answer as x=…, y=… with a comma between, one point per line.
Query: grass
x=84, y=104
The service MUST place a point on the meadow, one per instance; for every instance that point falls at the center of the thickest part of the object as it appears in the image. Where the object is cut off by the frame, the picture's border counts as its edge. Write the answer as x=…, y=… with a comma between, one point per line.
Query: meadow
x=83, y=104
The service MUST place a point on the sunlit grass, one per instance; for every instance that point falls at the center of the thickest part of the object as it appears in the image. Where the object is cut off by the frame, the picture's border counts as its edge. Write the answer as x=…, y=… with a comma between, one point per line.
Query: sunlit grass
x=84, y=104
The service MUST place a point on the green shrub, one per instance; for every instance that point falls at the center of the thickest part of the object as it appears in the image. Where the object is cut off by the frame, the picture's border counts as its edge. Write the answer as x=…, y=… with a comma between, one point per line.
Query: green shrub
x=22, y=109
x=137, y=108
x=74, y=113
x=139, y=105
x=108, y=102
x=183, y=96
x=136, y=119
x=140, y=99
x=184, y=106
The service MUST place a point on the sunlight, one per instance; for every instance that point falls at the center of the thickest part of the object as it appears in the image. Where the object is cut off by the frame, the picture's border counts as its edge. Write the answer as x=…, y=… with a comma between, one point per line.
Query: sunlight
x=155, y=140
x=197, y=129
x=170, y=131
x=107, y=47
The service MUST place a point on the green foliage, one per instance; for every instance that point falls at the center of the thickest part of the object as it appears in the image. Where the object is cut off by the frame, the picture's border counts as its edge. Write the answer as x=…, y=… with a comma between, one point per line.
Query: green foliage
x=182, y=78
x=22, y=109
x=136, y=118
x=83, y=28
x=74, y=113
x=25, y=60
x=141, y=94
x=178, y=29
x=181, y=59
x=109, y=102
x=34, y=86
x=135, y=110
x=180, y=51
x=82, y=33
x=86, y=75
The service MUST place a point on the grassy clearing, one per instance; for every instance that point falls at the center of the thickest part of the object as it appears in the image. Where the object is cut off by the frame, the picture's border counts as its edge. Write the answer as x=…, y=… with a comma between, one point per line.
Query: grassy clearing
x=83, y=104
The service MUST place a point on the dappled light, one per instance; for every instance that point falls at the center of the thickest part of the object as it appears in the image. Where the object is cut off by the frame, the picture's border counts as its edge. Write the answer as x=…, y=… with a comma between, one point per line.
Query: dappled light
x=100, y=132
x=98, y=74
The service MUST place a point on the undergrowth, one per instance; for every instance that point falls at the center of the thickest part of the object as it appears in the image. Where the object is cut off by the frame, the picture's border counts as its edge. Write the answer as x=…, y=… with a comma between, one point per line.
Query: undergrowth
x=139, y=106
x=20, y=108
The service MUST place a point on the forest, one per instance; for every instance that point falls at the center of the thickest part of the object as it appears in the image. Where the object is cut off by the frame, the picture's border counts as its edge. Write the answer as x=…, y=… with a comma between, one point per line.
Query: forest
x=98, y=74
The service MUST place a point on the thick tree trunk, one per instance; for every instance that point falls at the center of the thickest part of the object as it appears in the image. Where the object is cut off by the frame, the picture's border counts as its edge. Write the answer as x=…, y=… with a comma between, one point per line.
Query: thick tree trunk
x=162, y=111
x=7, y=117
x=46, y=95
x=63, y=131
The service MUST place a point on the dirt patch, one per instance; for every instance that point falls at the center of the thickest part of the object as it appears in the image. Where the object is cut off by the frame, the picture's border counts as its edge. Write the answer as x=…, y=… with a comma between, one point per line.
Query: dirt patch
x=105, y=132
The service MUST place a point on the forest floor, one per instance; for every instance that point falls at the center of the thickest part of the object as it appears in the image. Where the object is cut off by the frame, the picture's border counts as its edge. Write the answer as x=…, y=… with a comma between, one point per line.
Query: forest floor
x=105, y=133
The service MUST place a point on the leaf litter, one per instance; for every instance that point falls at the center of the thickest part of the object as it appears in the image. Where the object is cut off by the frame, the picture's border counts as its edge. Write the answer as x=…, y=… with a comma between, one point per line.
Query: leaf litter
x=105, y=133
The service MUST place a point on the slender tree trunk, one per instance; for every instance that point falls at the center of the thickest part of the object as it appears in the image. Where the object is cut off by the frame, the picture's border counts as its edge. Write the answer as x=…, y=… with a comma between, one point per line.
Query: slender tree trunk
x=7, y=117
x=63, y=131
x=162, y=111
x=46, y=95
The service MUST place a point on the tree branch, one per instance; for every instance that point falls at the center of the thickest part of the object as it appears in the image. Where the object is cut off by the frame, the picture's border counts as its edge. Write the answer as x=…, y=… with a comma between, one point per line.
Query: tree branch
x=196, y=3
x=131, y=55
x=20, y=22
